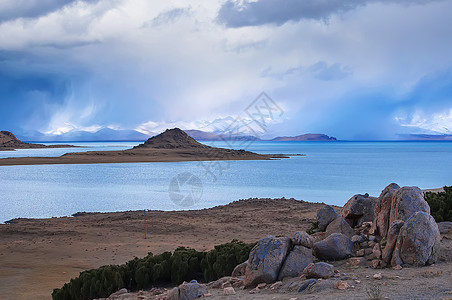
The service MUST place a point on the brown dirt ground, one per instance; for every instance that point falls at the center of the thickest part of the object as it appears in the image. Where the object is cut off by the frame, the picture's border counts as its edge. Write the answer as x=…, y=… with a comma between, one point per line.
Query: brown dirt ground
x=38, y=255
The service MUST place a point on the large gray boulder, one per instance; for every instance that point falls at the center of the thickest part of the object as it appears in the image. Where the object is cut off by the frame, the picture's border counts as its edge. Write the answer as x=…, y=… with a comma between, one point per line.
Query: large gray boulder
x=265, y=260
x=303, y=239
x=319, y=270
x=335, y=247
x=418, y=241
x=191, y=290
x=325, y=216
x=380, y=224
x=359, y=209
x=339, y=225
x=392, y=235
x=406, y=202
x=297, y=259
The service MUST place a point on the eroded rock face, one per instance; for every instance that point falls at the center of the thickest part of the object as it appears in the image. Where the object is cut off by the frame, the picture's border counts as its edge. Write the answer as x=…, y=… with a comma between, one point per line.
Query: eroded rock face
x=418, y=241
x=339, y=225
x=406, y=202
x=303, y=239
x=359, y=209
x=335, y=247
x=383, y=205
x=325, y=216
x=297, y=259
x=265, y=260
x=392, y=235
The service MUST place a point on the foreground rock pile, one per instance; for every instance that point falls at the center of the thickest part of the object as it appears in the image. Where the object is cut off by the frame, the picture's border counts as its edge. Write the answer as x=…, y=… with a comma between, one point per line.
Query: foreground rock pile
x=392, y=231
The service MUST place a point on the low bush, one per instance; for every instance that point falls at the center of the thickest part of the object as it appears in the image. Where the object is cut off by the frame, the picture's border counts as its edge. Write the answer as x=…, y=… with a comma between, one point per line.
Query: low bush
x=183, y=264
x=440, y=204
x=222, y=260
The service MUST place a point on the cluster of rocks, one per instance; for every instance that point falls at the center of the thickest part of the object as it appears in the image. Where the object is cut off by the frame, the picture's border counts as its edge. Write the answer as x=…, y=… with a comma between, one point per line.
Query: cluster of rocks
x=393, y=230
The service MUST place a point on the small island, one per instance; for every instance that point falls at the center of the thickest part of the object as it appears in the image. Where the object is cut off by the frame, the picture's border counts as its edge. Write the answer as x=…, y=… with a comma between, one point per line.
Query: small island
x=173, y=145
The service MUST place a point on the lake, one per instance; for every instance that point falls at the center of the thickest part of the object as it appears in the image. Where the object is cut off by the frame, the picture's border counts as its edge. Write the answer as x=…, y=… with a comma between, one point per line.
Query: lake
x=331, y=172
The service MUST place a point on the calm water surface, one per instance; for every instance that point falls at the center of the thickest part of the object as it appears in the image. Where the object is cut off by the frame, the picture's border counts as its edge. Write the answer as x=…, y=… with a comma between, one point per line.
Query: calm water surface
x=331, y=172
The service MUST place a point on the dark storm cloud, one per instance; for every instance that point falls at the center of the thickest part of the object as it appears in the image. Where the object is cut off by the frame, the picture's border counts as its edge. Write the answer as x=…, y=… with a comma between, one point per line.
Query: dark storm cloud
x=28, y=96
x=281, y=11
x=14, y=9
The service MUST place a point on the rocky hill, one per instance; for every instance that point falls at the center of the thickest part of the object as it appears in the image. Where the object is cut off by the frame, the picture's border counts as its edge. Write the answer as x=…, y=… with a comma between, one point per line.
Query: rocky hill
x=171, y=139
x=8, y=141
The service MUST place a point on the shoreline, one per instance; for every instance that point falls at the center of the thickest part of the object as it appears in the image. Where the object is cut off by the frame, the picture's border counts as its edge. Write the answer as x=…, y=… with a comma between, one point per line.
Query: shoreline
x=140, y=156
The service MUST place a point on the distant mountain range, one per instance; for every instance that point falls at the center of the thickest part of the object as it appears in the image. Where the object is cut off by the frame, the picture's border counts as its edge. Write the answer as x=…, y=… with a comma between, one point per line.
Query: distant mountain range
x=107, y=134
x=305, y=137
x=426, y=137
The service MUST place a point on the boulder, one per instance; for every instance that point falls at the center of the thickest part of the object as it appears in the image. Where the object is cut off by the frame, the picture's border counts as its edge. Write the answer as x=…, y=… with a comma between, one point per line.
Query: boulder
x=265, y=260
x=296, y=261
x=418, y=241
x=325, y=215
x=381, y=222
x=191, y=290
x=359, y=209
x=303, y=239
x=339, y=225
x=319, y=270
x=445, y=227
x=239, y=270
x=335, y=247
x=392, y=235
x=406, y=202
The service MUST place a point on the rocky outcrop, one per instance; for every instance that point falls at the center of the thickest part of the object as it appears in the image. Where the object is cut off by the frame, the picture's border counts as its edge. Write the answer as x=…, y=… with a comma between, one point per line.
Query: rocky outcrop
x=383, y=210
x=339, y=225
x=325, y=216
x=265, y=260
x=418, y=241
x=406, y=202
x=359, y=209
x=296, y=261
x=335, y=247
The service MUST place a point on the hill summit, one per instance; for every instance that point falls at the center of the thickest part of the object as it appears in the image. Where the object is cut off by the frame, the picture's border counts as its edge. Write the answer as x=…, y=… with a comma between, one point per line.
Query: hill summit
x=9, y=140
x=171, y=139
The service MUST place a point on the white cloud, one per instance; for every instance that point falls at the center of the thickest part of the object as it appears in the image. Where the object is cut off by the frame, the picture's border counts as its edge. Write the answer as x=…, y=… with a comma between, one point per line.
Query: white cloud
x=141, y=61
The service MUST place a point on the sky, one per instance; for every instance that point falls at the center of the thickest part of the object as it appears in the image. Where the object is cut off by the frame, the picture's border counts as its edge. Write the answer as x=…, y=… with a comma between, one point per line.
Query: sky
x=357, y=69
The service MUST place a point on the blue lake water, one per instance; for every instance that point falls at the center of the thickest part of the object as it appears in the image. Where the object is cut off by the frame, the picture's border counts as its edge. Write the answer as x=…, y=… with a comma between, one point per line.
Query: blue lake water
x=331, y=172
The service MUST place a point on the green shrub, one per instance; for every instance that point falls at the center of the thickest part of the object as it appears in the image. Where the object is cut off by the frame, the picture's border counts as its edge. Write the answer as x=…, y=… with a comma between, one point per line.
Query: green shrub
x=222, y=260
x=183, y=264
x=440, y=204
